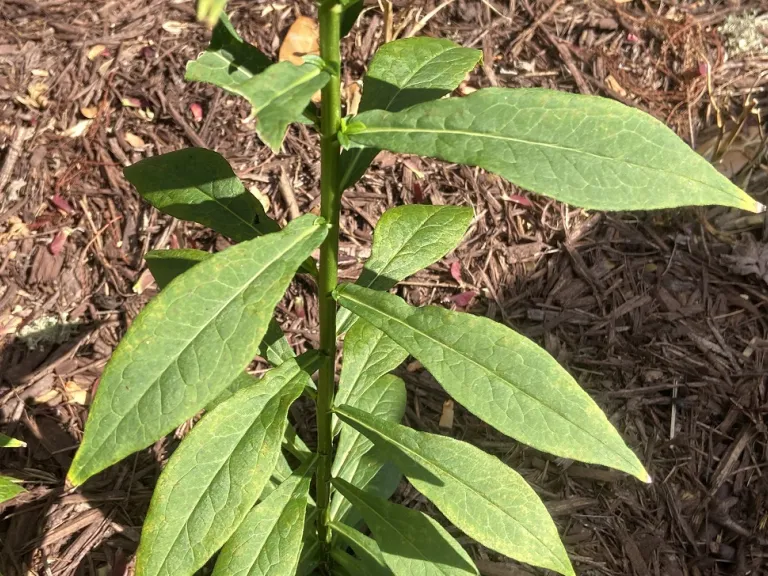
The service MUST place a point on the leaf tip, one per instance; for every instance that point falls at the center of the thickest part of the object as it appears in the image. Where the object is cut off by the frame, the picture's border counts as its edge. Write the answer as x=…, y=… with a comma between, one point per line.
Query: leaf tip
x=759, y=208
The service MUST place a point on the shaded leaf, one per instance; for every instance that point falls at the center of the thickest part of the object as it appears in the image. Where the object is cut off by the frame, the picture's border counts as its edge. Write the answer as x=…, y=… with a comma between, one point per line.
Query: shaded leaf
x=478, y=493
x=166, y=265
x=351, y=9
x=406, y=240
x=366, y=550
x=268, y=542
x=9, y=488
x=410, y=542
x=217, y=474
x=587, y=151
x=403, y=73
x=500, y=376
x=189, y=342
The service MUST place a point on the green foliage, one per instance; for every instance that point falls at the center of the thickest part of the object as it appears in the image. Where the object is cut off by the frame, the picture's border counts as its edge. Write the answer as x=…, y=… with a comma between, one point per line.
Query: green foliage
x=583, y=150
x=403, y=73
x=217, y=474
x=8, y=442
x=500, y=376
x=239, y=484
x=268, y=542
x=406, y=240
x=182, y=350
x=9, y=488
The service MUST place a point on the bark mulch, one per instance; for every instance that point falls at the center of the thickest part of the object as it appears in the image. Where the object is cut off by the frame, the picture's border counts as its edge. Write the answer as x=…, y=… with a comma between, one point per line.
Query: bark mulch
x=660, y=316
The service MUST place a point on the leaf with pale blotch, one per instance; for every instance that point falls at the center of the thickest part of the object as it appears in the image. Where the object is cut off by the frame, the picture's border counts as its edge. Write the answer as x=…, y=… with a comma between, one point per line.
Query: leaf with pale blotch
x=8, y=442
x=228, y=61
x=268, y=542
x=365, y=549
x=500, y=376
x=403, y=73
x=406, y=240
x=166, y=265
x=410, y=541
x=189, y=343
x=9, y=488
x=217, y=474
x=477, y=492
x=587, y=151
x=384, y=398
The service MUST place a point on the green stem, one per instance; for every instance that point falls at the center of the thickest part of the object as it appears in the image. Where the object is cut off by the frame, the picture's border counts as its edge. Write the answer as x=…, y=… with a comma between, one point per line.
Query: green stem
x=329, y=16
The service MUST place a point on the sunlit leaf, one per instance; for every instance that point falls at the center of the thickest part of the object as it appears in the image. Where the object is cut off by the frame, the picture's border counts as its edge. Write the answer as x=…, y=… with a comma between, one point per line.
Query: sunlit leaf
x=366, y=550
x=268, y=542
x=587, y=151
x=217, y=474
x=478, y=493
x=406, y=240
x=166, y=265
x=9, y=488
x=500, y=376
x=8, y=442
x=403, y=73
x=189, y=343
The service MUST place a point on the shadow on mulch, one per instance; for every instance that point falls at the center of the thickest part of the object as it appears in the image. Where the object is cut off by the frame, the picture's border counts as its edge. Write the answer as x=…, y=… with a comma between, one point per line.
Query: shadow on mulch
x=661, y=317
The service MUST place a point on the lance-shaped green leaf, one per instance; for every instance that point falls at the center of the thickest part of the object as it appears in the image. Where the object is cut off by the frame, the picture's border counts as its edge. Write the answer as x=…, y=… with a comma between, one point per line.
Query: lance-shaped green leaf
x=410, y=541
x=216, y=475
x=209, y=11
x=478, y=493
x=500, y=376
x=406, y=240
x=268, y=542
x=8, y=442
x=365, y=549
x=229, y=60
x=166, y=265
x=587, y=151
x=346, y=565
x=403, y=73
x=309, y=558
x=368, y=354
x=9, y=488
x=189, y=343
x=385, y=398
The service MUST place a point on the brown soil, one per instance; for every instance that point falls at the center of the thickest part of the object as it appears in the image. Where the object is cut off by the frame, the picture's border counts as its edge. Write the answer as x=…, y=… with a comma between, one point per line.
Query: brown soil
x=662, y=317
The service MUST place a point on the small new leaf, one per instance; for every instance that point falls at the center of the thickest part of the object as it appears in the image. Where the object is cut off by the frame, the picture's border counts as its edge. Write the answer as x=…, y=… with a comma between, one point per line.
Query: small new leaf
x=479, y=494
x=403, y=73
x=189, y=343
x=500, y=376
x=268, y=542
x=406, y=240
x=217, y=474
x=410, y=541
x=587, y=151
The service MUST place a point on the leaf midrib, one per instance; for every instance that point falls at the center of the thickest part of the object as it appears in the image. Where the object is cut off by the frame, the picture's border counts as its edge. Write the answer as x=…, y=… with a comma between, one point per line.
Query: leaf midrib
x=436, y=465
x=230, y=211
x=486, y=369
x=311, y=74
x=278, y=257
x=453, y=132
